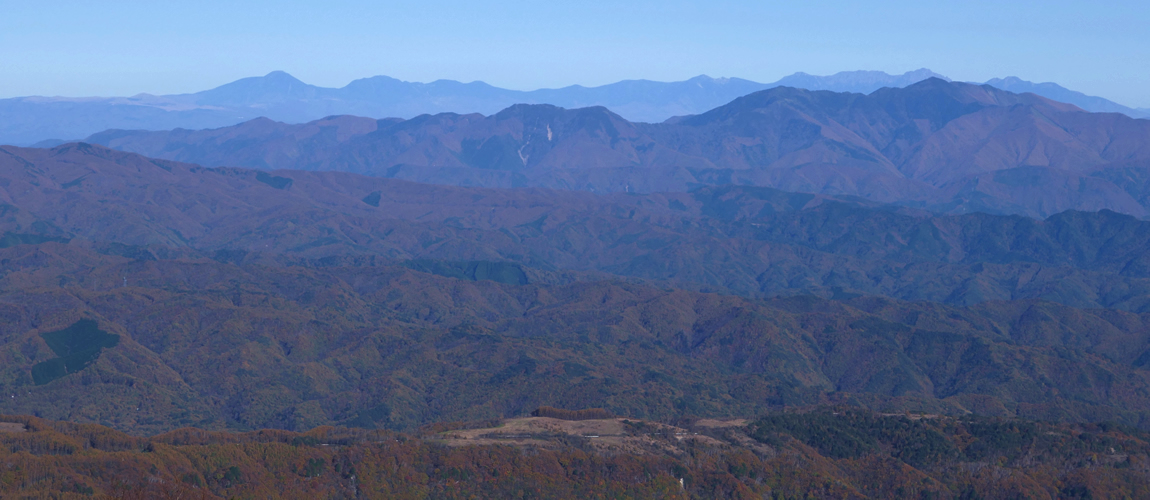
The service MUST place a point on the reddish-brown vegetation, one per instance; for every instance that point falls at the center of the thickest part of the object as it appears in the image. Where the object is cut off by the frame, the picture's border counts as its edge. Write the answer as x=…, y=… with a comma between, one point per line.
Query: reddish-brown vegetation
x=778, y=457
x=561, y=414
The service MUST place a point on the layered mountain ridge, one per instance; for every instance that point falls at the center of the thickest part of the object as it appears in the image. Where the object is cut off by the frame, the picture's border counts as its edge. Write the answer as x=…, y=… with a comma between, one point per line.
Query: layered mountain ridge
x=281, y=97
x=750, y=241
x=942, y=146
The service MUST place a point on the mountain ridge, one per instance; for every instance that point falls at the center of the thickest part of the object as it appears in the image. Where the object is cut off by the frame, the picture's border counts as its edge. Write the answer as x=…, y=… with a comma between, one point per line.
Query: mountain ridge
x=945, y=146
x=31, y=120
x=758, y=242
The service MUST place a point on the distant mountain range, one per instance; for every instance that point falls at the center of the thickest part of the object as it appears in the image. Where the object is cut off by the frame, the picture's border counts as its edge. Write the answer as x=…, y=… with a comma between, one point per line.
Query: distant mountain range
x=944, y=146
x=281, y=97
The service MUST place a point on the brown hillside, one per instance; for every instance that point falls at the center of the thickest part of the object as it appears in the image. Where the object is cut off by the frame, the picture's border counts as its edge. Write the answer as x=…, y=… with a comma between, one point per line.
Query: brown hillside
x=779, y=455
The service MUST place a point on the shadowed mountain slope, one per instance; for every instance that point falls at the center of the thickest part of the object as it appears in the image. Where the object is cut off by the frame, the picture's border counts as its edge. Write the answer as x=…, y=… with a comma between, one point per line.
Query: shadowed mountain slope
x=751, y=241
x=938, y=145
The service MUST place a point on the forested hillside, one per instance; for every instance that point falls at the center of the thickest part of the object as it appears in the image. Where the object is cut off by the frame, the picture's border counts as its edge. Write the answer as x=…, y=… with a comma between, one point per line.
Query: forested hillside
x=148, y=295
x=826, y=453
x=750, y=241
x=165, y=343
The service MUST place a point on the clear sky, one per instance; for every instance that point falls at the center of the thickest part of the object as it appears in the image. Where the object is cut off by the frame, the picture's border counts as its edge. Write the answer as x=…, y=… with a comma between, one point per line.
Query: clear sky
x=79, y=48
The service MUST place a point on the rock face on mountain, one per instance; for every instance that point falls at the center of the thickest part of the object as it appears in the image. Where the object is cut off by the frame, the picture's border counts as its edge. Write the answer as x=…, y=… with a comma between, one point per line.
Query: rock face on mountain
x=943, y=146
x=151, y=294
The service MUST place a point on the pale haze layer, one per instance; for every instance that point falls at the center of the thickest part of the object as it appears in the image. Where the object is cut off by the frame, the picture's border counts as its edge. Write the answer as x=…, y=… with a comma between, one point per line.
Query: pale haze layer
x=83, y=48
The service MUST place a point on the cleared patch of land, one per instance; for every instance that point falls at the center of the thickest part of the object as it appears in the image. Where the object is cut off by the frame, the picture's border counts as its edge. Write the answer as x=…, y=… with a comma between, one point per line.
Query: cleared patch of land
x=716, y=423
x=615, y=434
x=12, y=427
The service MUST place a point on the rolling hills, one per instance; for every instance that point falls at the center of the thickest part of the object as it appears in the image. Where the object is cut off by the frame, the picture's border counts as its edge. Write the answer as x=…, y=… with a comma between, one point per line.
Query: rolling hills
x=248, y=346
x=229, y=298
x=942, y=146
x=752, y=241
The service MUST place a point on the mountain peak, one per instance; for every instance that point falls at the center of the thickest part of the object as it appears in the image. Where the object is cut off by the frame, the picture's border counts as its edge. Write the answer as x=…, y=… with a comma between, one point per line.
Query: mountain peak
x=282, y=78
x=924, y=73
x=277, y=86
x=941, y=90
x=861, y=81
x=1010, y=80
x=933, y=81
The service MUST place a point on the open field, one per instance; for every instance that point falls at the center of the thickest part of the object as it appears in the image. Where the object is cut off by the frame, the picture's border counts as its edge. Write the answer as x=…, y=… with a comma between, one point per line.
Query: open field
x=12, y=427
x=619, y=435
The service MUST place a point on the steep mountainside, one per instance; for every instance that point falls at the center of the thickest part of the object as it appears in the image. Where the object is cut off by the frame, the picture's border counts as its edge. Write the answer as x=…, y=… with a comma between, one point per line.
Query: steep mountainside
x=942, y=146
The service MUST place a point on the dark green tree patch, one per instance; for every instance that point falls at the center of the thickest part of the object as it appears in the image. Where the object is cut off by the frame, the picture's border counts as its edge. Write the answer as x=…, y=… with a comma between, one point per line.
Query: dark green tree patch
x=76, y=347
x=11, y=239
x=499, y=272
x=314, y=467
x=274, y=181
x=524, y=367
x=233, y=476
x=47, y=371
x=373, y=198
x=853, y=433
x=375, y=417
x=993, y=438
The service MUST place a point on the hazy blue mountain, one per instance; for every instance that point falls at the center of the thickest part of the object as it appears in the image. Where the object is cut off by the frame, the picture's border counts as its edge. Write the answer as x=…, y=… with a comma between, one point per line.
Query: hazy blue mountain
x=281, y=97
x=947, y=146
x=1062, y=94
x=859, y=82
x=273, y=88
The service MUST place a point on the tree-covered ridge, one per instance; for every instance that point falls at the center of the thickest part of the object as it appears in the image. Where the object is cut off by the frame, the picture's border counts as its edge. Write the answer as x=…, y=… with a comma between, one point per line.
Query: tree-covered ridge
x=269, y=343
x=949, y=146
x=771, y=458
x=751, y=241
x=926, y=441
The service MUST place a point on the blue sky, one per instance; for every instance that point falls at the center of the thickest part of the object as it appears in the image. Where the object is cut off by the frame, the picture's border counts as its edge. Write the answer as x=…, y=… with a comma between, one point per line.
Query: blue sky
x=121, y=48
